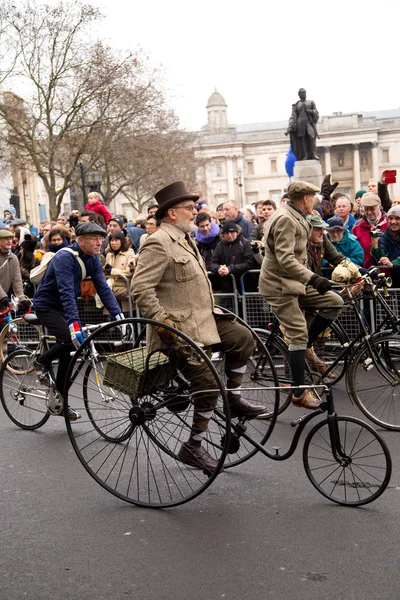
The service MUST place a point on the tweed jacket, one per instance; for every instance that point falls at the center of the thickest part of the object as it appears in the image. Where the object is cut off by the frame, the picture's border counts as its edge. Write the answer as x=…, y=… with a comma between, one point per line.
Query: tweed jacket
x=10, y=275
x=170, y=282
x=284, y=270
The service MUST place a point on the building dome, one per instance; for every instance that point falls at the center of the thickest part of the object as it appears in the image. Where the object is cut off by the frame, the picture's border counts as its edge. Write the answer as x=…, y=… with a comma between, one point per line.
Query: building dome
x=216, y=99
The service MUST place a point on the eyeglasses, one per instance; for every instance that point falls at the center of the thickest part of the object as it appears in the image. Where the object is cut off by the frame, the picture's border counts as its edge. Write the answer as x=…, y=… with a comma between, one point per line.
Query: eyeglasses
x=94, y=238
x=191, y=208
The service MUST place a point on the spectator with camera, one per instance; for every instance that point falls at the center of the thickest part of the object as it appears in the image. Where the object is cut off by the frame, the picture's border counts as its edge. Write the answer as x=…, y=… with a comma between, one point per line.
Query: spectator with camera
x=373, y=224
x=385, y=250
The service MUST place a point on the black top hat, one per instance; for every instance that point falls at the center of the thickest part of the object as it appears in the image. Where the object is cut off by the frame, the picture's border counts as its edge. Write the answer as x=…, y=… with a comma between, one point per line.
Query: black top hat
x=171, y=195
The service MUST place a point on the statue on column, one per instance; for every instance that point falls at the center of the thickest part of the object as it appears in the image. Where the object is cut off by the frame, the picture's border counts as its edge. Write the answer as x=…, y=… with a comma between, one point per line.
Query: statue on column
x=302, y=128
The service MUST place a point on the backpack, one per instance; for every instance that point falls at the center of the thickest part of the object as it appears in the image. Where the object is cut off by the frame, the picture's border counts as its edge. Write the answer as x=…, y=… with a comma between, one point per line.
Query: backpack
x=37, y=274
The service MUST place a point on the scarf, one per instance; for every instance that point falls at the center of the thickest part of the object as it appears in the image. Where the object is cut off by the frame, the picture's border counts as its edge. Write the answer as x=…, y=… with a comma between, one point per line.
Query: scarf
x=395, y=235
x=57, y=247
x=208, y=238
x=375, y=221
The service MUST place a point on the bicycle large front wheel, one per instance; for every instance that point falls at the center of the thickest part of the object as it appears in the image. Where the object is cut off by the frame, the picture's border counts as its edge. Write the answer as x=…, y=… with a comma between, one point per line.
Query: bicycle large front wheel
x=373, y=380
x=144, y=404
x=361, y=471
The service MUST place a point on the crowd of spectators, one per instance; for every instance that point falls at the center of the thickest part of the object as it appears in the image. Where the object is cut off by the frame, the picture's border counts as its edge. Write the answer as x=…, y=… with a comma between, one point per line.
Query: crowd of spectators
x=230, y=239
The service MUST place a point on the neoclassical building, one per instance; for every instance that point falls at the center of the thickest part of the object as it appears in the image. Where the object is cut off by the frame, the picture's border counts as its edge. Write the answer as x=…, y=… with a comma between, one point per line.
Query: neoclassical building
x=247, y=162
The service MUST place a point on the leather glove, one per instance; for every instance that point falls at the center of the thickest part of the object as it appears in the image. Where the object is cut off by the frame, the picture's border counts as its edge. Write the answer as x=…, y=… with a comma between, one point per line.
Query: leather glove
x=77, y=335
x=321, y=284
x=26, y=304
x=107, y=270
x=168, y=337
x=327, y=188
x=5, y=302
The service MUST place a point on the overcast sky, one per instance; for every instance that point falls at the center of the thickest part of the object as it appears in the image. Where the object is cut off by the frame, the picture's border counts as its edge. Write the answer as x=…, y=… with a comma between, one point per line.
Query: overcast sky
x=258, y=54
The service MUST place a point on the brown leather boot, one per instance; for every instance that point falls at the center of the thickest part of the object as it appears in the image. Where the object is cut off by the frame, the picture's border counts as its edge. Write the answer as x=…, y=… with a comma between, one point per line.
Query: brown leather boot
x=308, y=399
x=242, y=408
x=317, y=364
x=196, y=457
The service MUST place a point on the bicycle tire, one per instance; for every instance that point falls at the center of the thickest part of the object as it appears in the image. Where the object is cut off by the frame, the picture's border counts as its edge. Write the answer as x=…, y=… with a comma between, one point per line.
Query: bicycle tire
x=373, y=380
x=365, y=455
x=105, y=414
x=259, y=377
x=145, y=469
x=22, y=397
x=28, y=337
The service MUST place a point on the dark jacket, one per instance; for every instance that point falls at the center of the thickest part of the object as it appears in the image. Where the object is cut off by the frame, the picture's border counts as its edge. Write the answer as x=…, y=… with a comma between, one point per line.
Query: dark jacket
x=327, y=255
x=61, y=285
x=245, y=225
x=389, y=247
x=237, y=256
x=207, y=250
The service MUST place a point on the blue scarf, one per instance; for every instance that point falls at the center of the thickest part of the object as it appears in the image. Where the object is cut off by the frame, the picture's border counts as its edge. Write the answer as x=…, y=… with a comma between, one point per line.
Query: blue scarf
x=57, y=247
x=208, y=238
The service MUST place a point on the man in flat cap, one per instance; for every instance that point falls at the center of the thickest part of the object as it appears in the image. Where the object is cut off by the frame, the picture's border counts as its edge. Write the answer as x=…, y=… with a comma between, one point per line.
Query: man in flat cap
x=373, y=223
x=288, y=284
x=55, y=300
x=170, y=285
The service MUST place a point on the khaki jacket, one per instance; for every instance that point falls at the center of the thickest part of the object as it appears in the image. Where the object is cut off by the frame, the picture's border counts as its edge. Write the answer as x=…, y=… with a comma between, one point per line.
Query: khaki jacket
x=284, y=271
x=170, y=281
x=122, y=264
x=10, y=275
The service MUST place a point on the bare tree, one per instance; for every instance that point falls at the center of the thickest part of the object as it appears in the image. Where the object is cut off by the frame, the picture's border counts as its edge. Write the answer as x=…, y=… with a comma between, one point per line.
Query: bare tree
x=78, y=97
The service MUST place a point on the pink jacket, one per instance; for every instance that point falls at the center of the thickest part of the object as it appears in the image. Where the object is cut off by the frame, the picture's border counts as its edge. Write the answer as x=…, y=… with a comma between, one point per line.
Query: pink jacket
x=99, y=208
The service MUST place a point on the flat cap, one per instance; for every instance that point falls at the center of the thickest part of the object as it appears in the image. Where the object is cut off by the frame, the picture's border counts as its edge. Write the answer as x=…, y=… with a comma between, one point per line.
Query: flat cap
x=5, y=233
x=370, y=199
x=89, y=228
x=298, y=189
x=336, y=223
x=316, y=221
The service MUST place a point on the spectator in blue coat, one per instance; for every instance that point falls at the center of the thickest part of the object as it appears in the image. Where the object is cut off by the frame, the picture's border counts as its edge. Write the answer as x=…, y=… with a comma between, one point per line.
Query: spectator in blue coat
x=343, y=208
x=232, y=213
x=344, y=242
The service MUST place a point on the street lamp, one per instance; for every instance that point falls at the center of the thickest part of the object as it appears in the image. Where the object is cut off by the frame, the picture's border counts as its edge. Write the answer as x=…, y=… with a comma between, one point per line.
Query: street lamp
x=240, y=184
x=90, y=179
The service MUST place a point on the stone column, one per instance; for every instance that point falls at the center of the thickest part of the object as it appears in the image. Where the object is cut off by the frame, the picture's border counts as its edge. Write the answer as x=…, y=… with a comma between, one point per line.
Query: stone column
x=229, y=175
x=375, y=166
x=328, y=165
x=356, y=168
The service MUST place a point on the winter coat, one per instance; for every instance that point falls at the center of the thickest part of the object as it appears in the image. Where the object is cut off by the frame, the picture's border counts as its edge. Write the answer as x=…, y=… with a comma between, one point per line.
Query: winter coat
x=245, y=225
x=237, y=256
x=362, y=231
x=61, y=285
x=122, y=264
x=285, y=271
x=207, y=251
x=389, y=247
x=351, y=221
x=135, y=234
x=351, y=248
x=328, y=255
x=10, y=275
x=170, y=282
x=99, y=208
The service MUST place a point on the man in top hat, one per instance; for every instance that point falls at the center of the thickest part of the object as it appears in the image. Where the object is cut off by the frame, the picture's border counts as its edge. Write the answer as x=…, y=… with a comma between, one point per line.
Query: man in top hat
x=289, y=285
x=55, y=300
x=170, y=284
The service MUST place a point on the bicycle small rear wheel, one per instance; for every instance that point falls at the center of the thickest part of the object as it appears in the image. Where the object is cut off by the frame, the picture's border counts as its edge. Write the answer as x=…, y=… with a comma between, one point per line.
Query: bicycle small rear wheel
x=22, y=396
x=364, y=470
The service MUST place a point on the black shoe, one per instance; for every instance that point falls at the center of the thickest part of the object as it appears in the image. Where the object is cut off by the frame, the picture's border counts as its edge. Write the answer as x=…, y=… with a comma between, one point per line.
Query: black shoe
x=197, y=457
x=243, y=408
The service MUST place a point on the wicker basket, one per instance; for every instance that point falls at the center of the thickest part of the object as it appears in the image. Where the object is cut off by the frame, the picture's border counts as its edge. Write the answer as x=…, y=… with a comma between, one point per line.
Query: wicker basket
x=136, y=372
